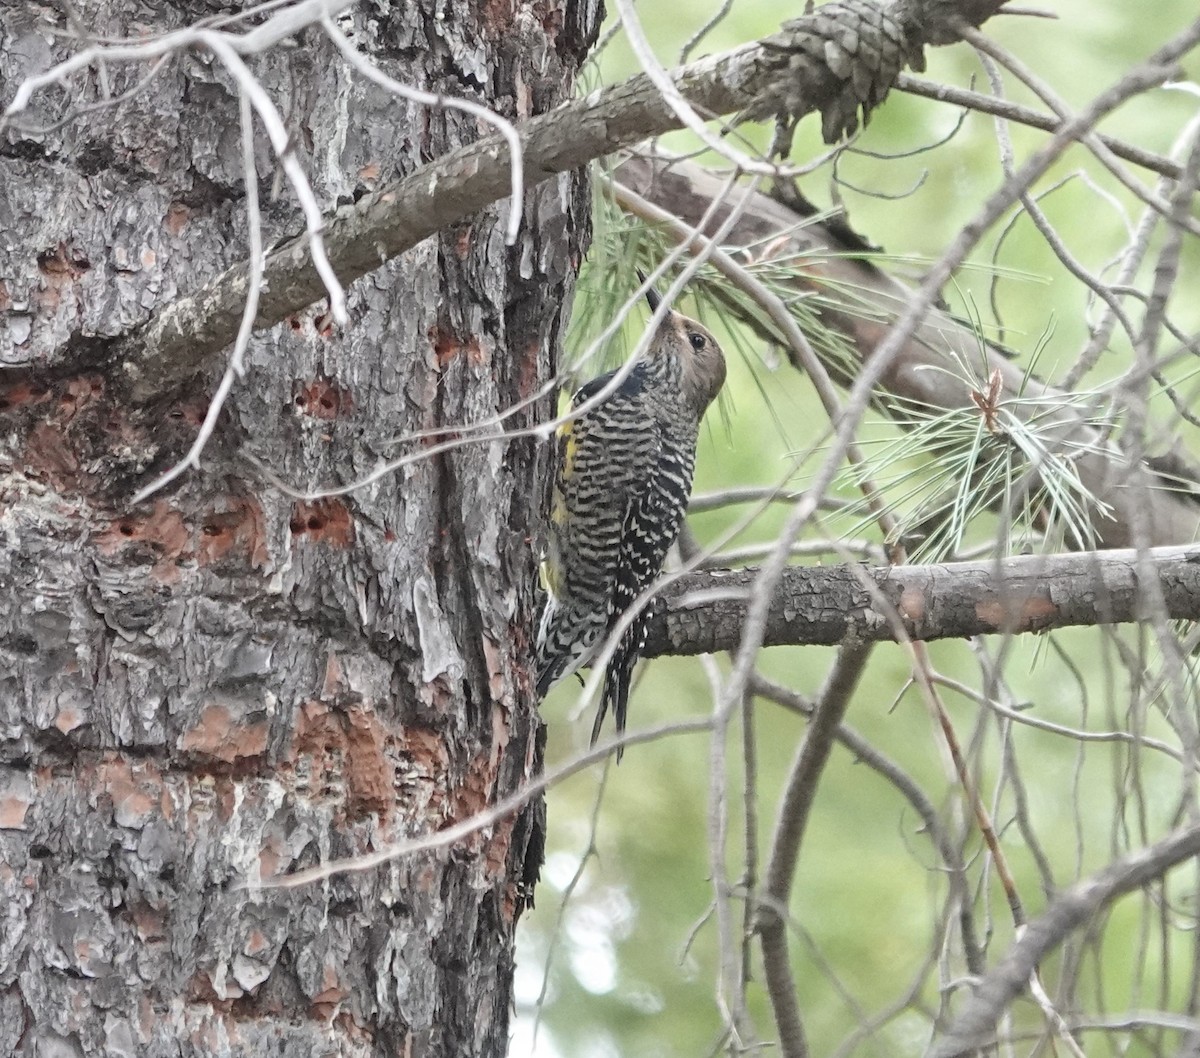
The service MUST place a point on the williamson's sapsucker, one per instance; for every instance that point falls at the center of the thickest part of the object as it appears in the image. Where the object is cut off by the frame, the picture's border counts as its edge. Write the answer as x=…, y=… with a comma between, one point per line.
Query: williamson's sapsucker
x=624, y=476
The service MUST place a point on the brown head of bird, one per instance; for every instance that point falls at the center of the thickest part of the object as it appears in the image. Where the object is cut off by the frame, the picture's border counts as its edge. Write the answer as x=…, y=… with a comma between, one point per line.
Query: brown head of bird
x=691, y=353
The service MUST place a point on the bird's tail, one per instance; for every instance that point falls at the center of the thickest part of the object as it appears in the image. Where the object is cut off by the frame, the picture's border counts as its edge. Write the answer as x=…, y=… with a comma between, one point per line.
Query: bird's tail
x=616, y=687
x=549, y=671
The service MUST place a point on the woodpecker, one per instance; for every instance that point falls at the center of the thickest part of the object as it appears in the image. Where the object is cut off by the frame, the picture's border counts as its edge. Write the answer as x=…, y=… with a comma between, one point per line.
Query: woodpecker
x=624, y=476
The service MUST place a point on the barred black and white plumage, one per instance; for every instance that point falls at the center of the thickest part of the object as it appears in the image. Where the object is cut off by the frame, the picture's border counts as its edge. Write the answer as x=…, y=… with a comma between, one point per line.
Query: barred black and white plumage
x=624, y=475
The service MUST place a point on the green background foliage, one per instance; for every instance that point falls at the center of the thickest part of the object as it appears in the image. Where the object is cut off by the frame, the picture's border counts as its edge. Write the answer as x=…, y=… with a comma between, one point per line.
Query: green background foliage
x=633, y=963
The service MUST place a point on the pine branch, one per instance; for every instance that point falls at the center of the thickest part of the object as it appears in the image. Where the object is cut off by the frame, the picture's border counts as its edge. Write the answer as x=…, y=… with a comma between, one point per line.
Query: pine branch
x=927, y=373
x=703, y=612
x=841, y=60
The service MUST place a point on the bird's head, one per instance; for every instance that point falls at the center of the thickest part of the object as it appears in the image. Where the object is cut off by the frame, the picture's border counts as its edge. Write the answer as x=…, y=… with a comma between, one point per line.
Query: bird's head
x=692, y=353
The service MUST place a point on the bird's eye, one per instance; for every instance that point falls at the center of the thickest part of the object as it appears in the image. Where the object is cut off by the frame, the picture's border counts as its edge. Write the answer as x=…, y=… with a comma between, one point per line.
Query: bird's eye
x=698, y=341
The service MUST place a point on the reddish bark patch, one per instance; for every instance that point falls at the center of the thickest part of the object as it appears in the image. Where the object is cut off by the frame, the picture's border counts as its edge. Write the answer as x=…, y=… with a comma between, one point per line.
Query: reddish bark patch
x=333, y=676
x=5, y=297
x=497, y=16
x=19, y=394
x=256, y=942
x=134, y=791
x=239, y=532
x=352, y=1029
x=269, y=859
x=324, y=1005
x=323, y=324
x=346, y=750
x=322, y=398
x=322, y=1010
x=368, y=174
x=62, y=265
x=1020, y=615
x=150, y=922
x=49, y=457
x=473, y=796
x=226, y=798
x=77, y=394
x=316, y=730
x=369, y=773
x=470, y=797
x=511, y=901
x=323, y=521
x=177, y=217
x=72, y=425
x=551, y=17
x=524, y=98
x=199, y=989
x=13, y=810
x=527, y=370
x=496, y=853
x=445, y=348
x=222, y=737
x=426, y=749
x=494, y=660
x=68, y=719
x=462, y=241
x=163, y=530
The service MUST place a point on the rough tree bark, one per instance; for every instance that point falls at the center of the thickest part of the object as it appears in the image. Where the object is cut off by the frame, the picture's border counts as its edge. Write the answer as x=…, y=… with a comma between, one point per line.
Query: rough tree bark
x=224, y=685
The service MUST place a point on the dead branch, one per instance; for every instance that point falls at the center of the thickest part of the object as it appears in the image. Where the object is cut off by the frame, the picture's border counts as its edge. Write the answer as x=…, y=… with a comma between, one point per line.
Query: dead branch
x=973, y=1027
x=704, y=612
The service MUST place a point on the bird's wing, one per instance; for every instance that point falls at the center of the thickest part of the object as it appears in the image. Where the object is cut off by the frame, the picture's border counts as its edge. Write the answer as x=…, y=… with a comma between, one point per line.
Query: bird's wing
x=603, y=460
x=653, y=515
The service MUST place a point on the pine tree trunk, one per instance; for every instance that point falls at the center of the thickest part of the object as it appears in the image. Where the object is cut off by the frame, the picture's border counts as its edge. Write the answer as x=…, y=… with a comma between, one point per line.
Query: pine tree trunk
x=225, y=684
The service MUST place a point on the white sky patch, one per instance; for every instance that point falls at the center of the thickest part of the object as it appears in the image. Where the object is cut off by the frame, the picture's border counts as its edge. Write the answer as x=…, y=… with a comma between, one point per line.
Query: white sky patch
x=593, y=961
x=560, y=868
x=521, y=1043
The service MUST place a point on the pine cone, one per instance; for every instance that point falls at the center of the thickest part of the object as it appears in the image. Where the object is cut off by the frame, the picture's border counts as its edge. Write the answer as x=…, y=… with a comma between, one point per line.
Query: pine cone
x=843, y=56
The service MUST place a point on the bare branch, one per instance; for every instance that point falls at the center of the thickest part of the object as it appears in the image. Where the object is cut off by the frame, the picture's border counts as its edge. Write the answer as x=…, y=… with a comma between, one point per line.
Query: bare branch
x=705, y=612
x=1006, y=108
x=974, y=1026
x=792, y=821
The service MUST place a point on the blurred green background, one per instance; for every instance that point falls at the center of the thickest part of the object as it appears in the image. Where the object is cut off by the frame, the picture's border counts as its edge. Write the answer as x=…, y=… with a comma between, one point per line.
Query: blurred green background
x=628, y=963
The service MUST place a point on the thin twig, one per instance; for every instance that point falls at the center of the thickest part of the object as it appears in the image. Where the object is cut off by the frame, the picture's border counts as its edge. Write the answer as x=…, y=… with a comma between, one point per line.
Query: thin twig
x=1005, y=108
x=590, y=851
x=972, y=1028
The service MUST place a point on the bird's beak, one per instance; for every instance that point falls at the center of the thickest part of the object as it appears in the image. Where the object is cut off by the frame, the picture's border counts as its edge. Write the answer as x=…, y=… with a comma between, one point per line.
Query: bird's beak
x=652, y=295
